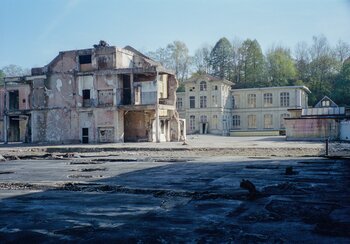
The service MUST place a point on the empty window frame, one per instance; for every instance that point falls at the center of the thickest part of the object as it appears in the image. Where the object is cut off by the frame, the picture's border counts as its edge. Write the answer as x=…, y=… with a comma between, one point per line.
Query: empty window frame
x=85, y=59
x=268, y=121
x=284, y=99
x=251, y=121
x=192, y=123
x=192, y=102
x=203, y=101
x=268, y=99
x=236, y=121
x=252, y=100
x=13, y=100
x=203, y=86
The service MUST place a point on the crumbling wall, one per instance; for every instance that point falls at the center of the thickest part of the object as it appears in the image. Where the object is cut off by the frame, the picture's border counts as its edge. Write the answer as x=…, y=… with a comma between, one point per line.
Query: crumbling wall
x=172, y=87
x=104, y=58
x=64, y=62
x=59, y=91
x=124, y=59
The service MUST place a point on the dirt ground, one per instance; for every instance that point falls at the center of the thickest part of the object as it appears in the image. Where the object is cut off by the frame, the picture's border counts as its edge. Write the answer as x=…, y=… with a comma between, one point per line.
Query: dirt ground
x=171, y=193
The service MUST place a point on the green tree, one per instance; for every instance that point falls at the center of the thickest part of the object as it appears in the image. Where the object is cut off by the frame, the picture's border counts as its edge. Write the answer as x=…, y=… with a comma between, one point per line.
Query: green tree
x=323, y=69
x=342, y=85
x=251, y=65
x=221, y=59
x=280, y=66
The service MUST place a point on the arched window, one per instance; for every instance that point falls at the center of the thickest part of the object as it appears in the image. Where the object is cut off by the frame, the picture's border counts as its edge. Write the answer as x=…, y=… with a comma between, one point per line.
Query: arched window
x=203, y=86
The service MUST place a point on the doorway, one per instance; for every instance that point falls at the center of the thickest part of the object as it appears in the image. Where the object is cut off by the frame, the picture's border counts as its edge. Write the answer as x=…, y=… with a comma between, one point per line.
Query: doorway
x=14, y=131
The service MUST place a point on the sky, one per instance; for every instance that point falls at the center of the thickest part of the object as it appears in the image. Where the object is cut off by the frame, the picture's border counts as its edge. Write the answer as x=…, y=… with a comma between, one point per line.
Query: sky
x=33, y=32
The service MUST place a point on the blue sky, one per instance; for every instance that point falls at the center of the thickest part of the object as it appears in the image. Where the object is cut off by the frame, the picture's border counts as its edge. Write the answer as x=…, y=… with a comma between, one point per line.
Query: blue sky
x=34, y=31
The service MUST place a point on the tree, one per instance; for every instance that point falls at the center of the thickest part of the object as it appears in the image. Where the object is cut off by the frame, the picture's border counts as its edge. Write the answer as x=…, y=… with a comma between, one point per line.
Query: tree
x=323, y=68
x=281, y=67
x=161, y=55
x=302, y=61
x=201, y=59
x=174, y=56
x=15, y=70
x=252, y=65
x=221, y=59
x=342, y=86
x=180, y=59
x=342, y=51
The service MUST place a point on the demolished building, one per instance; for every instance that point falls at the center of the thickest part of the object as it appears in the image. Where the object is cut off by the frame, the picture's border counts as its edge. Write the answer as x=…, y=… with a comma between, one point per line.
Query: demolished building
x=97, y=95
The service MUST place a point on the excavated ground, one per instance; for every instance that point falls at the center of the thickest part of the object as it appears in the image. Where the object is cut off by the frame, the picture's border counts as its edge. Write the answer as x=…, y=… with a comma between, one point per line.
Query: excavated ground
x=161, y=195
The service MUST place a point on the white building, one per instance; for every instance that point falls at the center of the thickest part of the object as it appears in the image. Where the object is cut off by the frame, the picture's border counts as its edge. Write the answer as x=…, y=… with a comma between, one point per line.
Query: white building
x=210, y=105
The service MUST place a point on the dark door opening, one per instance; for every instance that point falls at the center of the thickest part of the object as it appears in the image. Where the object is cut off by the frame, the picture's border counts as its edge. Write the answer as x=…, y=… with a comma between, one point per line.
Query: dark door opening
x=126, y=90
x=85, y=135
x=13, y=100
x=14, y=131
x=86, y=98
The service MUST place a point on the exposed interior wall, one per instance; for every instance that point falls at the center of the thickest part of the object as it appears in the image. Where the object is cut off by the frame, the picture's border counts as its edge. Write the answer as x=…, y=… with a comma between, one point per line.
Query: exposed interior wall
x=137, y=126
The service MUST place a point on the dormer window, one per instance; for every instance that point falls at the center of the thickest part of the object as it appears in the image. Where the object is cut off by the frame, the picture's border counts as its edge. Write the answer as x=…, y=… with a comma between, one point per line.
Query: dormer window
x=325, y=103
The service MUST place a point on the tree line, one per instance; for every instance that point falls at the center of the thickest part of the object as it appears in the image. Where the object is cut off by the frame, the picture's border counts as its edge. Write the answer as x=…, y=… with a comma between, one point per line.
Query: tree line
x=323, y=68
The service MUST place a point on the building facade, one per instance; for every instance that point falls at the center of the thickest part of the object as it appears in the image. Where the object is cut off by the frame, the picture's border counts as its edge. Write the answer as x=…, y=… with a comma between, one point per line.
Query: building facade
x=206, y=105
x=96, y=95
x=262, y=111
x=210, y=105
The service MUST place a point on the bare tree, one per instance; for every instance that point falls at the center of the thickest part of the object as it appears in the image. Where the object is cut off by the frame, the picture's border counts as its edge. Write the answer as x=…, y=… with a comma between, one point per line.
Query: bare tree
x=201, y=59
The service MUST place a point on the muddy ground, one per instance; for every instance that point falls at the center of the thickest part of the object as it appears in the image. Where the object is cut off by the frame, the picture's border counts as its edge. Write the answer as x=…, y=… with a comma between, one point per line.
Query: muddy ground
x=170, y=197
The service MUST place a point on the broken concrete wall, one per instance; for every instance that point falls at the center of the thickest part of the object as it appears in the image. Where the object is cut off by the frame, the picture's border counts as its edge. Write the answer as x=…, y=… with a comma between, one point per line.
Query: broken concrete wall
x=124, y=58
x=311, y=129
x=60, y=90
x=104, y=58
x=54, y=126
x=65, y=62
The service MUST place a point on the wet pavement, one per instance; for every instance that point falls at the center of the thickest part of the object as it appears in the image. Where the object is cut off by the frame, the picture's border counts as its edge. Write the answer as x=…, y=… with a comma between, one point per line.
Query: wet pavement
x=155, y=200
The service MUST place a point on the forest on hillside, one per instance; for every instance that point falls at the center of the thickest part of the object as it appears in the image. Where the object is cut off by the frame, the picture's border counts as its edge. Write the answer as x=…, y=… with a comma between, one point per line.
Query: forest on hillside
x=323, y=68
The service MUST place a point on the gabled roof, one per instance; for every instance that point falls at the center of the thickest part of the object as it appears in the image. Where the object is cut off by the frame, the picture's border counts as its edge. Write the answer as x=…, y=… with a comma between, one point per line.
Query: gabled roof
x=207, y=77
x=325, y=98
